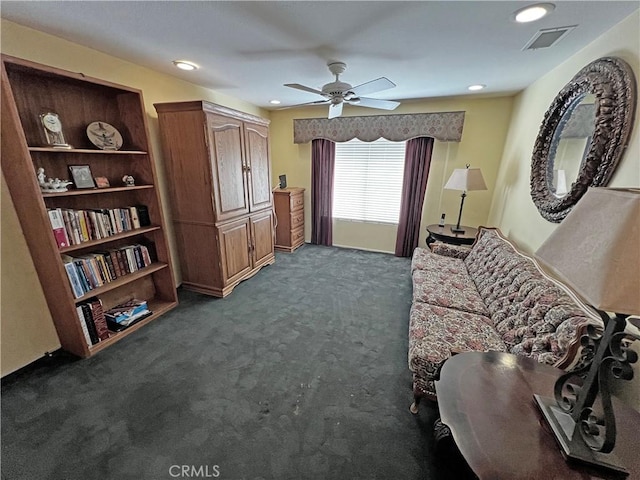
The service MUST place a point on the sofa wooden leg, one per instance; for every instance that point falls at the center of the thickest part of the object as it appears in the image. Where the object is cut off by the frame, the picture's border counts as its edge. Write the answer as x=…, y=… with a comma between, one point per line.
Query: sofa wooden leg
x=441, y=431
x=414, y=406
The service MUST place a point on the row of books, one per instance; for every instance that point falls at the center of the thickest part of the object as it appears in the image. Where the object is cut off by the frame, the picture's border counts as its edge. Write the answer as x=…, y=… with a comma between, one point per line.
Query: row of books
x=73, y=227
x=93, y=270
x=97, y=324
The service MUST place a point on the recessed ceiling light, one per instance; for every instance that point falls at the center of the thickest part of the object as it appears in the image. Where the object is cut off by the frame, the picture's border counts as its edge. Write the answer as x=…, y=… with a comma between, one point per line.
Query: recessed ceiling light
x=185, y=65
x=274, y=102
x=533, y=12
x=473, y=88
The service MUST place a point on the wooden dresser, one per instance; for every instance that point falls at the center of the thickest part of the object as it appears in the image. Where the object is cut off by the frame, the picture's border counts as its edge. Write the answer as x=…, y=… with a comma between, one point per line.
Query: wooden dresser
x=289, y=205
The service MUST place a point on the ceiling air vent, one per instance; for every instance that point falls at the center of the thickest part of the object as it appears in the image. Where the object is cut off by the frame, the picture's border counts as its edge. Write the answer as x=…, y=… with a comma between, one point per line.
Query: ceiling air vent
x=547, y=37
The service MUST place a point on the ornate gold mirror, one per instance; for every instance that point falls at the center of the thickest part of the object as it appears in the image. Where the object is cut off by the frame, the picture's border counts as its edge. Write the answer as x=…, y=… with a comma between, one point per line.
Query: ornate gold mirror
x=583, y=136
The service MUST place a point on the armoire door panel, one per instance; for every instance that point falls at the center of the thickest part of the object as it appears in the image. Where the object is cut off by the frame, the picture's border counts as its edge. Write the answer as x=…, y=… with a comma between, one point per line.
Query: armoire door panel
x=234, y=250
x=257, y=145
x=262, y=234
x=227, y=169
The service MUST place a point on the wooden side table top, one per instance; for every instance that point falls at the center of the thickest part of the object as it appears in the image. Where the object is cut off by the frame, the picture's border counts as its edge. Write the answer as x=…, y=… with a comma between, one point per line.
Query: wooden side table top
x=444, y=234
x=288, y=190
x=486, y=399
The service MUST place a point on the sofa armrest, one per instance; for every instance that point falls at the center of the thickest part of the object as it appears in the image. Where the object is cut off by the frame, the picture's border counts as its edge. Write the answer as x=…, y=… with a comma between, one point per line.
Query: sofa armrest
x=448, y=250
x=577, y=357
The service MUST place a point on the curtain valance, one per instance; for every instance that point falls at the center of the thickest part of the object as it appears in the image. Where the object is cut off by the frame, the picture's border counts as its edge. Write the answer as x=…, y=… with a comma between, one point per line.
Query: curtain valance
x=443, y=126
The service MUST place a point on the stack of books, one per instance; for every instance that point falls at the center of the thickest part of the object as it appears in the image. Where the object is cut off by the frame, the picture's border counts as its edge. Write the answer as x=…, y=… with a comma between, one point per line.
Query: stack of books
x=92, y=321
x=126, y=314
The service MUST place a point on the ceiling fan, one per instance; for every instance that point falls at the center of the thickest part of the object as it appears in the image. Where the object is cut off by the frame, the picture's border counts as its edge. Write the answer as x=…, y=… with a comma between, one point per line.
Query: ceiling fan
x=338, y=93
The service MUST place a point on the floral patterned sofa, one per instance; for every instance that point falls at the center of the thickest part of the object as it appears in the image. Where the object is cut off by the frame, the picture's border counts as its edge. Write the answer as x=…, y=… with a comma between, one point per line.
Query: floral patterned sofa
x=489, y=297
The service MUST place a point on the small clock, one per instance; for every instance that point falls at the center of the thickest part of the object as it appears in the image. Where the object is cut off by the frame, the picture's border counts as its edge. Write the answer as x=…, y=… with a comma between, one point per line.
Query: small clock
x=53, y=130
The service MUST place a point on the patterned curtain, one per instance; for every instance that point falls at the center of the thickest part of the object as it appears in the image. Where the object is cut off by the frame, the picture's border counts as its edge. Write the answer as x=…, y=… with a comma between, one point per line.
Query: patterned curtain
x=417, y=161
x=323, y=158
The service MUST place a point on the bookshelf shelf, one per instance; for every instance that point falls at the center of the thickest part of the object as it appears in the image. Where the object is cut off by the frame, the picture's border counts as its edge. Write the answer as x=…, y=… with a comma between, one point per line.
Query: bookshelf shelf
x=87, y=150
x=158, y=307
x=120, y=281
x=29, y=90
x=95, y=191
x=111, y=239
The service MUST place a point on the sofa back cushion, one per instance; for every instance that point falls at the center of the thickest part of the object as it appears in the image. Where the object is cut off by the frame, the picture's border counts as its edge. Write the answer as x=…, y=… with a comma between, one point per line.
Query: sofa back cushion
x=534, y=315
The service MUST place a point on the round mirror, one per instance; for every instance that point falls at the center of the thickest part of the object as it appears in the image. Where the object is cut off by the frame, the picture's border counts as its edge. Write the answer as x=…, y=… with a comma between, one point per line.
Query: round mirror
x=583, y=136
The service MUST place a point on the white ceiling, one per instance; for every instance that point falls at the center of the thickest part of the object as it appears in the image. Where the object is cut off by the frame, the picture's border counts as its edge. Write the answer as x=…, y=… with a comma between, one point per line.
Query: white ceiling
x=250, y=49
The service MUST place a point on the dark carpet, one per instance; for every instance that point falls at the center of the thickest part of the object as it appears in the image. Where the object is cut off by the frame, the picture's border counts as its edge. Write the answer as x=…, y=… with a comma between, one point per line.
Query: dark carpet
x=301, y=373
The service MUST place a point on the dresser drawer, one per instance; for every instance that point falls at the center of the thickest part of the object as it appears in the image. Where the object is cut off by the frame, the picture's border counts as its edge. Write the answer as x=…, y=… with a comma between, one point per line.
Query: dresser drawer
x=297, y=202
x=297, y=236
x=297, y=219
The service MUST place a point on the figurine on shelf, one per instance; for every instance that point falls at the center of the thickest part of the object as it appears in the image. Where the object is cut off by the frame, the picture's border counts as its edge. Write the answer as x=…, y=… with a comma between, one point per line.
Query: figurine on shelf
x=52, y=185
x=41, y=176
x=128, y=181
x=55, y=185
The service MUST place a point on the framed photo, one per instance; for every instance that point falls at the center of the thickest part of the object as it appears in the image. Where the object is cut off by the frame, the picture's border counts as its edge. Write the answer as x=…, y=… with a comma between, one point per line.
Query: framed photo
x=82, y=177
x=102, y=182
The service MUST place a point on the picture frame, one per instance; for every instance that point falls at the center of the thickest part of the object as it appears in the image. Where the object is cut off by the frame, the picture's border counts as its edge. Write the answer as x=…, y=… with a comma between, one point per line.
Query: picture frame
x=81, y=175
x=102, y=182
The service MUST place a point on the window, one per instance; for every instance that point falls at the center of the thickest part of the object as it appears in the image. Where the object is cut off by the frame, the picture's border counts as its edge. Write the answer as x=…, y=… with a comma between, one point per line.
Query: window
x=367, y=182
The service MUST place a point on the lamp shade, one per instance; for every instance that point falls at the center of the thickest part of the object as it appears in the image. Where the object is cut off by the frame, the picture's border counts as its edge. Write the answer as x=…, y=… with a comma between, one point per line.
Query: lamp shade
x=466, y=179
x=596, y=249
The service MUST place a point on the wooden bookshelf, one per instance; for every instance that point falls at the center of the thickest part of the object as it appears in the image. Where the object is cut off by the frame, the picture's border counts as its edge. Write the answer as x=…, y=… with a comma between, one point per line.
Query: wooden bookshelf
x=30, y=89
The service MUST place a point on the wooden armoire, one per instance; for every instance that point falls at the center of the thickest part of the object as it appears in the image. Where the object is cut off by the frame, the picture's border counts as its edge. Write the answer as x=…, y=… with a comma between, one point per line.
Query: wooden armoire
x=219, y=178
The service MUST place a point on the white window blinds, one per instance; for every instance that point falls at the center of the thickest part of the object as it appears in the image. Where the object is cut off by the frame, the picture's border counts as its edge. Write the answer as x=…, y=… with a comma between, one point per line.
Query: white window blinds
x=368, y=180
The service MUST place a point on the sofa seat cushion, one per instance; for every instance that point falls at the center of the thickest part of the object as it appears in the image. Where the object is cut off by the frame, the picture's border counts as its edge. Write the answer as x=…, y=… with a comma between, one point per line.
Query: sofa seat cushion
x=437, y=332
x=424, y=259
x=447, y=289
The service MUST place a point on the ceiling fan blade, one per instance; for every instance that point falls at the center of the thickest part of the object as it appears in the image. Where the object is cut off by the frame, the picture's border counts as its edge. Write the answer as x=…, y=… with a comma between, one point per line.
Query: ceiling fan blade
x=377, y=85
x=318, y=102
x=302, y=87
x=376, y=103
x=335, y=110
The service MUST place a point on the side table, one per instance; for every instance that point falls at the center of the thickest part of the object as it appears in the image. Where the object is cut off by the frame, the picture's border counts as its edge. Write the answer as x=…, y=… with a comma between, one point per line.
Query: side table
x=444, y=234
x=486, y=400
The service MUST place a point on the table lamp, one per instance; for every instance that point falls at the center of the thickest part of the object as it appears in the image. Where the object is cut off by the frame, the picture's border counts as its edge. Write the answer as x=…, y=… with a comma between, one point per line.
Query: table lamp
x=596, y=252
x=465, y=179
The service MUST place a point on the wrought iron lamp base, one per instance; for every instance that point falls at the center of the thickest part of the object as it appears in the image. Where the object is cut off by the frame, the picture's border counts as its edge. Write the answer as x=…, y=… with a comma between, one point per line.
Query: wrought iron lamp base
x=569, y=439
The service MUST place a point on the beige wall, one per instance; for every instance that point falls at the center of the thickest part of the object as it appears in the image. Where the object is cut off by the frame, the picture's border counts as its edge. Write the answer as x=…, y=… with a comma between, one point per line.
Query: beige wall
x=27, y=329
x=512, y=208
x=481, y=146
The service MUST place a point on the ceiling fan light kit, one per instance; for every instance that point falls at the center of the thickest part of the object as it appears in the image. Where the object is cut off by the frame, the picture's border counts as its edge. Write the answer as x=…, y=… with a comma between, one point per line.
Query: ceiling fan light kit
x=337, y=93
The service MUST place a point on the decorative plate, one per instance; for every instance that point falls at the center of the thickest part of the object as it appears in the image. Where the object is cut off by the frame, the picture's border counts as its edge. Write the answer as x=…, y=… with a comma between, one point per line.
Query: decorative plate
x=104, y=136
